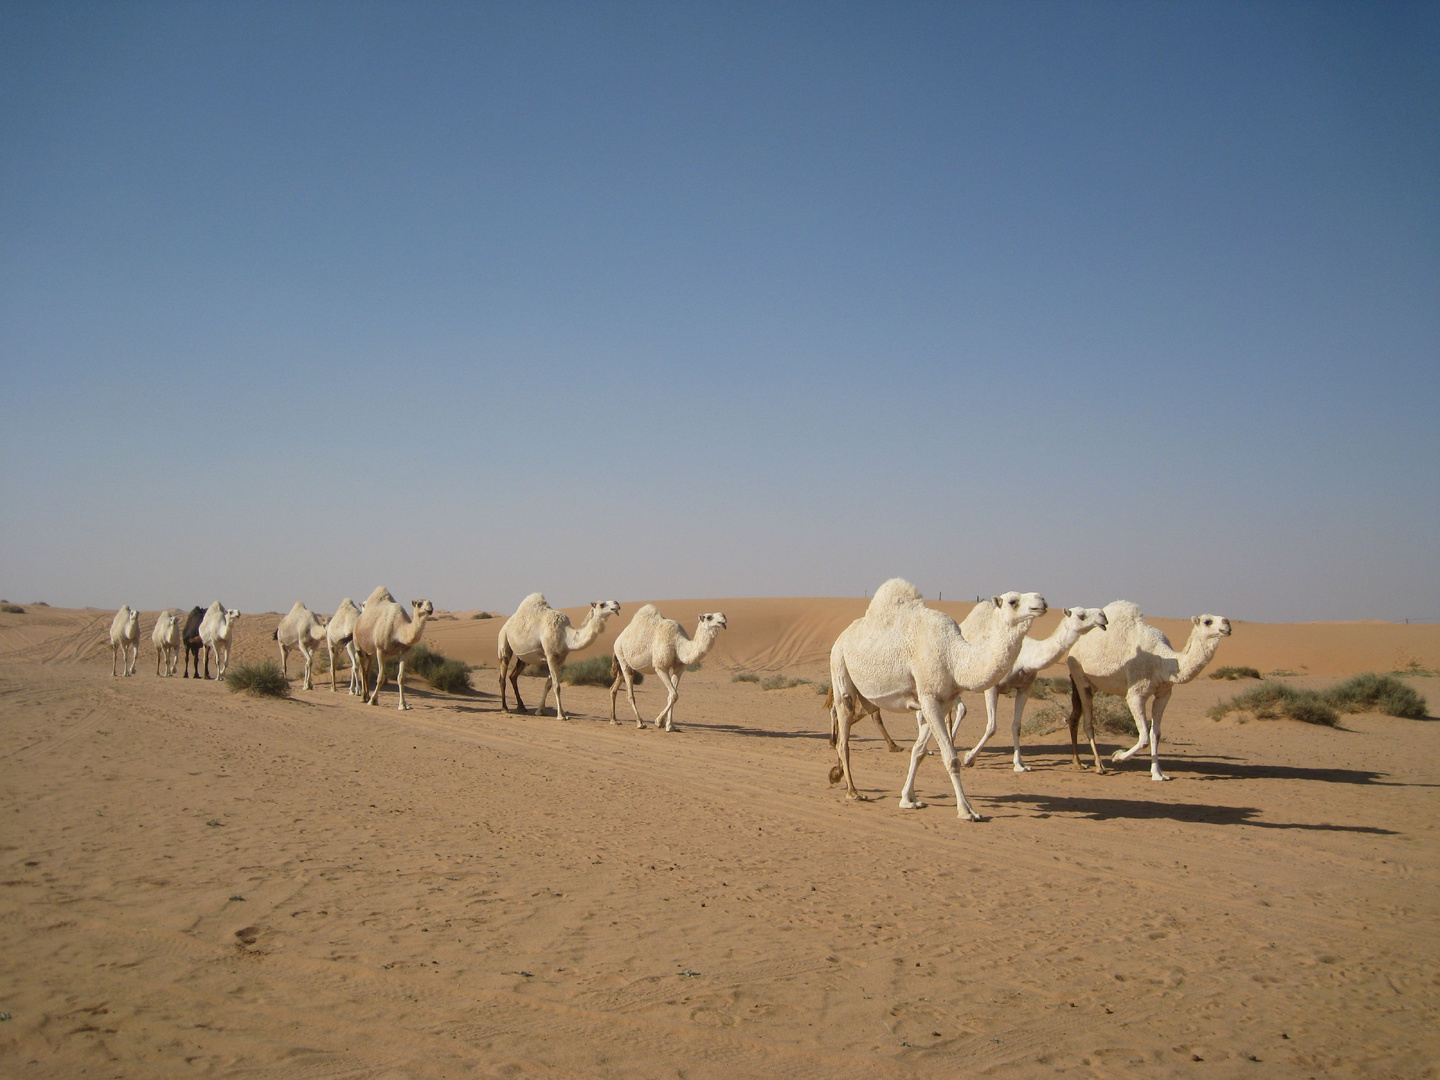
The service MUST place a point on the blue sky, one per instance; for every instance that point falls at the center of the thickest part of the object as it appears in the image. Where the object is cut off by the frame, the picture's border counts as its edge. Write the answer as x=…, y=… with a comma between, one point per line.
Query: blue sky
x=648, y=300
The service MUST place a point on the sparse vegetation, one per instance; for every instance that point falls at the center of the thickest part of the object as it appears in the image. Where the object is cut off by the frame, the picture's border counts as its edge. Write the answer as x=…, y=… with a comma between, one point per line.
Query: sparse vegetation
x=1233, y=673
x=482, y=615
x=1362, y=693
x=1112, y=715
x=1044, y=687
x=593, y=671
x=693, y=667
x=822, y=687
x=745, y=676
x=444, y=674
x=12, y=609
x=262, y=678
x=781, y=682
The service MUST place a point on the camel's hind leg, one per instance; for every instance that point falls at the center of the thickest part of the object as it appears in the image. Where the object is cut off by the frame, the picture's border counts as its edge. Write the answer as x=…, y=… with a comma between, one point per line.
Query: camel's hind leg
x=353, y=652
x=552, y=678
x=992, y=704
x=890, y=744
x=845, y=704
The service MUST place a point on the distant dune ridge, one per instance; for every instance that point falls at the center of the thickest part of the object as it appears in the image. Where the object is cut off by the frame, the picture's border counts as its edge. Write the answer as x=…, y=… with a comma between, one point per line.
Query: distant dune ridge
x=789, y=633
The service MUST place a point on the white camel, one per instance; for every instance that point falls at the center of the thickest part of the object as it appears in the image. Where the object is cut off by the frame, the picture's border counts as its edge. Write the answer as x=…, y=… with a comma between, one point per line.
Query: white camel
x=538, y=634
x=654, y=643
x=166, y=638
x=906, y=657
x=340, y=630
x=216, y=630
x=124, y=641
x=1134, y=659
x=1035, y=655
x=304, y=630
x=386, y=629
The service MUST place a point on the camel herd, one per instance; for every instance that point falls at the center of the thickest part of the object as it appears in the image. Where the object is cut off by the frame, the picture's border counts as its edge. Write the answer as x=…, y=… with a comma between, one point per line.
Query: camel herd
x=900, y=656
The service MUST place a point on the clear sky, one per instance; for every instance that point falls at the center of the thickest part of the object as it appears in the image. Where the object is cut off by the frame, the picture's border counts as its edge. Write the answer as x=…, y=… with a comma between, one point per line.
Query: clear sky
x=680, y=300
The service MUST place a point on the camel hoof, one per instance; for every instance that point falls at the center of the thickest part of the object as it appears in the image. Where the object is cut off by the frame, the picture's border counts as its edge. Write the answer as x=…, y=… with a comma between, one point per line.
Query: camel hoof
x=856, y=797
x=1119, y=755
x=896, y=749
x=1022, y=768
x=913, y=805
x=972, y=816
x=1157, y=777
x=968, y=762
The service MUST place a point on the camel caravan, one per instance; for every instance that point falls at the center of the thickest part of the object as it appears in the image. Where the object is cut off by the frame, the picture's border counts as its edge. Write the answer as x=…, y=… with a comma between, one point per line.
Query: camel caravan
x=900, y=656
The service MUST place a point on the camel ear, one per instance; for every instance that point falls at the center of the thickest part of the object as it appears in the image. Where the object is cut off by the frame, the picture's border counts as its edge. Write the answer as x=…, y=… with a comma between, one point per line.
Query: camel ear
x=1195, y=619
x=1067, y=613
x=998, y=601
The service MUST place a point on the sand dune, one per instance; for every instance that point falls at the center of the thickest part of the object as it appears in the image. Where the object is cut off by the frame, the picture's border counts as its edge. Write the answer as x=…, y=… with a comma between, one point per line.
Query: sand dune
x=195, y=883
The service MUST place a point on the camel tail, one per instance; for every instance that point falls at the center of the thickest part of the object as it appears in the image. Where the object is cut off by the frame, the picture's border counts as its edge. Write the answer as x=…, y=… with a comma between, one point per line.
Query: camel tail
x=614, y=668
x=275, y=636
x=834, y=718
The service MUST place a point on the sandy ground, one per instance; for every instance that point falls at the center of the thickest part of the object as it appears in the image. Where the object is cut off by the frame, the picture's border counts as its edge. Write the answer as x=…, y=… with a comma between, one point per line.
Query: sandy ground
x=194, y=883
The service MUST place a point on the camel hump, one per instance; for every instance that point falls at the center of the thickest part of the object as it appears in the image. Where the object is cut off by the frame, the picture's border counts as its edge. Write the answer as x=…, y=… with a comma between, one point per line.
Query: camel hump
x=1122, y=612
x=893, y=593
x=646, y=611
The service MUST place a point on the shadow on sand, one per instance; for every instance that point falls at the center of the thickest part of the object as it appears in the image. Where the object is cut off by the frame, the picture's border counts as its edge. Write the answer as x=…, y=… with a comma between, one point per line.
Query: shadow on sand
x=1145, y=809
x=1214, y=767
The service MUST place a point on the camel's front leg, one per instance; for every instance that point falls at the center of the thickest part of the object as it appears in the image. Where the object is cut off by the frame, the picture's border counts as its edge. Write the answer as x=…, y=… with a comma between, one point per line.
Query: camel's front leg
x=400, y=683
x=1135, y=699
x=552, y=678
x=957, y=714
x=992, y=703
x=1020, y=698
x=306, y=683
x=114, y=660
x=935, y=716
x=353, y=652
x=922, y=737
x=671, y=679
x=379, y=675
x=1157, y=710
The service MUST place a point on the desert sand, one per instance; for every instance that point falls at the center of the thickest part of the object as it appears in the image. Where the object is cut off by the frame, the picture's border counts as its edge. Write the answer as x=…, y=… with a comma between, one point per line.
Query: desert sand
x=198, y=883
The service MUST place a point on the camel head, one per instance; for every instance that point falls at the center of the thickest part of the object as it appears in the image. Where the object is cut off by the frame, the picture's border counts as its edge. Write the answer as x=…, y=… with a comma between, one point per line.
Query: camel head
x=1210, y=626
x=603, y=609
x=231, y=614
x=1085, y=619
x=713, y=618
x=1015, y=608
x=423, y=608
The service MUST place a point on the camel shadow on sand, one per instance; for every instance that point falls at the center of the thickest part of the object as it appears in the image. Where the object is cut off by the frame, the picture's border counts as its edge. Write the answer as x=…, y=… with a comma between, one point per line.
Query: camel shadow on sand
x=1218, y=767
x=1148, y=809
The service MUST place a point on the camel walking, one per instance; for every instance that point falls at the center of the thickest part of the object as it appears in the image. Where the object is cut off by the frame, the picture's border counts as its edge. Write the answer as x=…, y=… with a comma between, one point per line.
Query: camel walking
x=905, y=657
x=654, y=643
x=1135, y=660
x=538, y=634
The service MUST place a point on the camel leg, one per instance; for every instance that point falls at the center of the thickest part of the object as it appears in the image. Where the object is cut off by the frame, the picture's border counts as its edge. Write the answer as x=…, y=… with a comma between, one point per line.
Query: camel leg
x=1020, y=697
x=505, y=657
x=992, y=702
x=629, y=673
x=552, y=678
x=890, y=744
x=842, y=751
x=671, y=680
x=330, y=652
x=114, y=655
x=353, y=652
x=958, y=713
x=284, y=660
x=922, y=737
x=615, y=685
x=400, y=683
x=515, y=670
x=1135, y=698
x=305, y=683
x=935, y=717
x=379, y=674
x=207, y=663
x=1157, y=710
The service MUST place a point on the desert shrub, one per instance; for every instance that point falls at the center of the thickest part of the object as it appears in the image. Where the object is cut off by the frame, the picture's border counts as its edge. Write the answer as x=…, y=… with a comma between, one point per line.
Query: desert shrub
x=1042, y=721
x=441, y=672
x=594, y=671
x=745, y=676
x=1383, y=692
x=12, y=609
x=1112, y=714
x=482, y=615
x=780, y=682
x=263, y=678
x=1044, y=688
x=694, y=667
x=822, y=687
x=1271, y=700
x=1232, y=673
